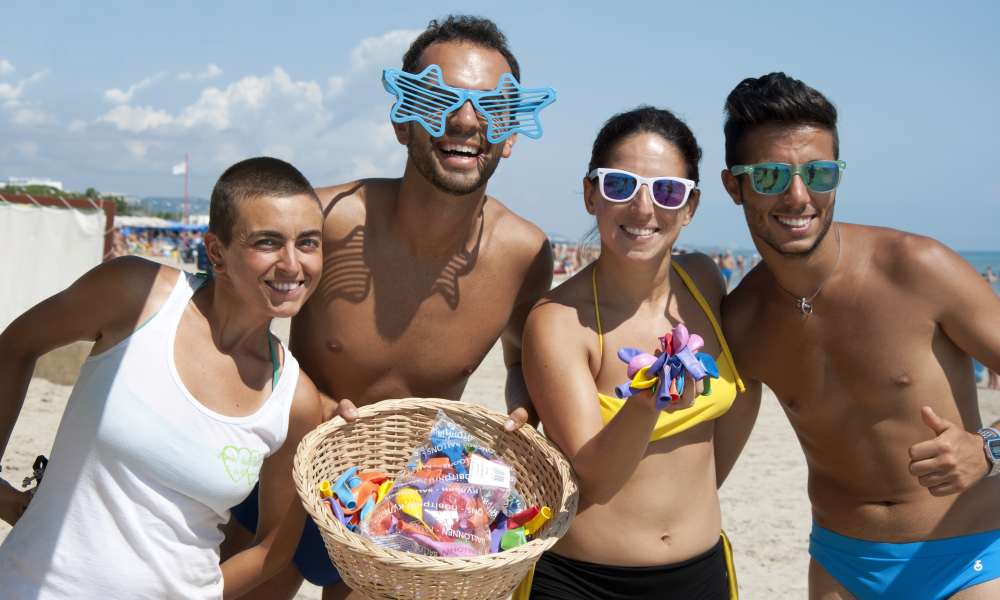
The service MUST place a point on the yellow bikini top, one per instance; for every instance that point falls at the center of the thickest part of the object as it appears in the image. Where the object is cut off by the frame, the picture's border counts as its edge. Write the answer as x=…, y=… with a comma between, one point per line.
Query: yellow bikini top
x=705, y=408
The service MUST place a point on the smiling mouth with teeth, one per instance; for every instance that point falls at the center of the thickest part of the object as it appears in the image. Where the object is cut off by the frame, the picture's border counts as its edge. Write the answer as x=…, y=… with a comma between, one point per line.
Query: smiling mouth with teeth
x=794, y=222
x=639, y=231
x=459, y=150
x=285, y=286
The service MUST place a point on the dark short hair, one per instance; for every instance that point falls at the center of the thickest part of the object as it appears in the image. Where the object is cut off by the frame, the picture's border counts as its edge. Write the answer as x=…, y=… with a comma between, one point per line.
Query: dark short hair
x=774, y=98
x=461, y=28
x=644, y=119
x=260, y=177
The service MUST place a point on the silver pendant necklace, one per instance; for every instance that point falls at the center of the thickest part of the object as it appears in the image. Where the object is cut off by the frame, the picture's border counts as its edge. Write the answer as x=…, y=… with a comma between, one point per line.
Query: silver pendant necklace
x=805, y=303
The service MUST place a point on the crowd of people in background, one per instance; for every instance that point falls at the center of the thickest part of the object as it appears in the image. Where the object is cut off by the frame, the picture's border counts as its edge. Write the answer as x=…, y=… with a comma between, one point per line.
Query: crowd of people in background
x=179, y=246
x=734, y=267
x=568, y=257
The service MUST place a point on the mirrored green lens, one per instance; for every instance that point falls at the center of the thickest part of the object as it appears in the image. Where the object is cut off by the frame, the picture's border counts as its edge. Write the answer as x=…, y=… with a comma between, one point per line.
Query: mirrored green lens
x=771, y=178
x=821, y=175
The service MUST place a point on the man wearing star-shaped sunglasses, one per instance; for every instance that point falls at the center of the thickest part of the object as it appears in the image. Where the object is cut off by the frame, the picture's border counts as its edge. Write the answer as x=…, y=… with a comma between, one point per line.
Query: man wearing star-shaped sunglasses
x=423, y=274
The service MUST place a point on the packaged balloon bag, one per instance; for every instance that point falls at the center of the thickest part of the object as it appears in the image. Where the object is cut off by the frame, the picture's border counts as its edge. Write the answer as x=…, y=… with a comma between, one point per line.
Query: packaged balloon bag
x=443, y=503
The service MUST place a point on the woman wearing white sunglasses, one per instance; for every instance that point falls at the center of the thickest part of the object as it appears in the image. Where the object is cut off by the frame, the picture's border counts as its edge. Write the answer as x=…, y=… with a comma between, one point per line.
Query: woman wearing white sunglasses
x=649, y=521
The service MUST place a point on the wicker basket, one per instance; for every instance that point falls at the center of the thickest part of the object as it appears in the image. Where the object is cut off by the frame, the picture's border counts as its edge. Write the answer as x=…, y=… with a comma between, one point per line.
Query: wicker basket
x=383, y=437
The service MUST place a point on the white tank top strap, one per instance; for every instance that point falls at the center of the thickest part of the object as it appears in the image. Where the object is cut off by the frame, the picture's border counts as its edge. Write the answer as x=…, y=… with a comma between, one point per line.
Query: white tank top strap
x=169, y=313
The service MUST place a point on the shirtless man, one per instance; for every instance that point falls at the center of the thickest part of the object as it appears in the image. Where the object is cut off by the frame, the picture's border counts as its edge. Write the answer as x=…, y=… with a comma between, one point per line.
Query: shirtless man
x=865, y=335
x=421, y=274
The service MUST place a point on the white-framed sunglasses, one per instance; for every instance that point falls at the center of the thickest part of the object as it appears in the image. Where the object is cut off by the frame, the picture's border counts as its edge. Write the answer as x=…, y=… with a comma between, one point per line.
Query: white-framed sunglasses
x=617, y=185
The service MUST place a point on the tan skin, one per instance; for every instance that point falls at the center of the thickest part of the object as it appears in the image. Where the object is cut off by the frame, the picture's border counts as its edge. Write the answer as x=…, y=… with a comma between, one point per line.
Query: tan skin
x=274, y=239
x=420, y=283
x=877, y=382
x=642, y=503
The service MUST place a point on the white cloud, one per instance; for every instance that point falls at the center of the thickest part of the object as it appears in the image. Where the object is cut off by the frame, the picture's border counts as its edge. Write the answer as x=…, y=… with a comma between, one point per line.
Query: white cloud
x=12, y=93
x=118, y=96
x=384, y=50
x=333, y=126
x=279, y=150
x=252, y=100
x=136, y=119
x=247, y=105
x=211, y=72
x=5, y=67
x=138, y=149
x=221, y=153
x=18, y=111
x=28, y=116
x=371, y=55
x=336, y=84
x=9, y=93
x=364, y=146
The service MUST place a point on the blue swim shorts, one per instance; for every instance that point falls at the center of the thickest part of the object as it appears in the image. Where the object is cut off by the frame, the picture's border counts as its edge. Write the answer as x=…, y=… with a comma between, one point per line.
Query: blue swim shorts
x=310, y=558
x=934, y=569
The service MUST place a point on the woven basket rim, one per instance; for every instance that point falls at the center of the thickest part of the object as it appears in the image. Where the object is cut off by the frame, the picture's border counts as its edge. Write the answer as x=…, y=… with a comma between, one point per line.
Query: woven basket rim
x=306, y=485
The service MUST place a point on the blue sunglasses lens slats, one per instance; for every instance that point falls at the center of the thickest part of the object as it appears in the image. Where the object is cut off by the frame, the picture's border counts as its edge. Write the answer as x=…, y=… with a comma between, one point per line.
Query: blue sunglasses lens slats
x=619, y=186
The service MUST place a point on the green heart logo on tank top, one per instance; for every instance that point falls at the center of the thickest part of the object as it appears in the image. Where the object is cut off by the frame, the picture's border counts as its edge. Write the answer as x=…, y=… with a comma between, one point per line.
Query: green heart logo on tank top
x=241, y=464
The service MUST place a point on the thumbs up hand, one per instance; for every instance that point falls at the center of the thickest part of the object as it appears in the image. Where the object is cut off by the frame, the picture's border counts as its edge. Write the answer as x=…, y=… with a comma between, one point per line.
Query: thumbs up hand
x=950, y=463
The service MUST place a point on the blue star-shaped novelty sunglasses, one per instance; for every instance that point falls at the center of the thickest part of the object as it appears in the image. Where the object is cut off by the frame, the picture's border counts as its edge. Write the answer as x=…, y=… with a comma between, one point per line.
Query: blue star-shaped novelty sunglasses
x=426, y=99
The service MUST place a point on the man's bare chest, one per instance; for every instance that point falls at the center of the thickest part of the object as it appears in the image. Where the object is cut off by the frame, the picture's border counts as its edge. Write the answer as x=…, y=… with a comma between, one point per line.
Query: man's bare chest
x=407, y=326
x=423, y=346
x=873, y=359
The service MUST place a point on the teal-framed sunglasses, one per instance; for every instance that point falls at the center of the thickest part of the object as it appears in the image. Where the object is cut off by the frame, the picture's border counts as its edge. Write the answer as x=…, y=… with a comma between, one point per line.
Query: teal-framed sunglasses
x=771, y=178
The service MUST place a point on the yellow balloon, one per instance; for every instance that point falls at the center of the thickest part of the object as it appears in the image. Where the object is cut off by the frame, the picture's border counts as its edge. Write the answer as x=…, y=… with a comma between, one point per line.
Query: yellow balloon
x=383, y=490
x=641, y=380
x=410, y=502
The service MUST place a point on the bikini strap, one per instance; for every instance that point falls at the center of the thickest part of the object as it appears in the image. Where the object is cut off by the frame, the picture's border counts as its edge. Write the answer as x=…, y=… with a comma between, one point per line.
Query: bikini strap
x=597, y=309
x=711, y=317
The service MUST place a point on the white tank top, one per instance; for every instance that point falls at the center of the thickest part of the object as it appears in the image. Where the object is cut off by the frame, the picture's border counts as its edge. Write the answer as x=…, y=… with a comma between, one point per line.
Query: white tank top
x=141, y=477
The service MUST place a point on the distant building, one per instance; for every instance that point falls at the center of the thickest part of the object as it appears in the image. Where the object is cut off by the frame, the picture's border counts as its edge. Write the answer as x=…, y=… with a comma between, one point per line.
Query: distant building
x=197, y=219
x=26, y=181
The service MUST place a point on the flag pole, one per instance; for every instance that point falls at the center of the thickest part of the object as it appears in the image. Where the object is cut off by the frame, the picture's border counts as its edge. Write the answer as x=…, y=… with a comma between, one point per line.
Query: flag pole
x=185, y=219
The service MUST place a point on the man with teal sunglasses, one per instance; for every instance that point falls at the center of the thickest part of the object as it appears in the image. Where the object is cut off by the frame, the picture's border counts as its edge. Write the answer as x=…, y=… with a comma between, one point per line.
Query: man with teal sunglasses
x=865, y=335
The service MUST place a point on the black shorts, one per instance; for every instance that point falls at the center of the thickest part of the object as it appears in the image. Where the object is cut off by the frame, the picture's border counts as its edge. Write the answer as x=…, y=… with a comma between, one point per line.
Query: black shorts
x=708, y=576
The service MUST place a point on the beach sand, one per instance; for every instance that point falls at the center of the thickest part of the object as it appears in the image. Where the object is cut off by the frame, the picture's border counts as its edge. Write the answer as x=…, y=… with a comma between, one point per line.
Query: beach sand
x=764, y=504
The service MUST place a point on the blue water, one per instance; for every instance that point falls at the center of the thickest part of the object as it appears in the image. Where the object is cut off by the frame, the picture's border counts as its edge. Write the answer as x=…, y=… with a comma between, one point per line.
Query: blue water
x=980, y=260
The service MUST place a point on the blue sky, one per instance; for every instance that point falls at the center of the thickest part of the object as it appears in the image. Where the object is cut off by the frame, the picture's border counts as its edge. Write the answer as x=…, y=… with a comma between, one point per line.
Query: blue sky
x=112, y=94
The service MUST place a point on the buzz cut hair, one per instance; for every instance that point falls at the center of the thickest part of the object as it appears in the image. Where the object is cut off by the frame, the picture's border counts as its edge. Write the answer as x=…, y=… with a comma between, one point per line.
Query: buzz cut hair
x=259, y=177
